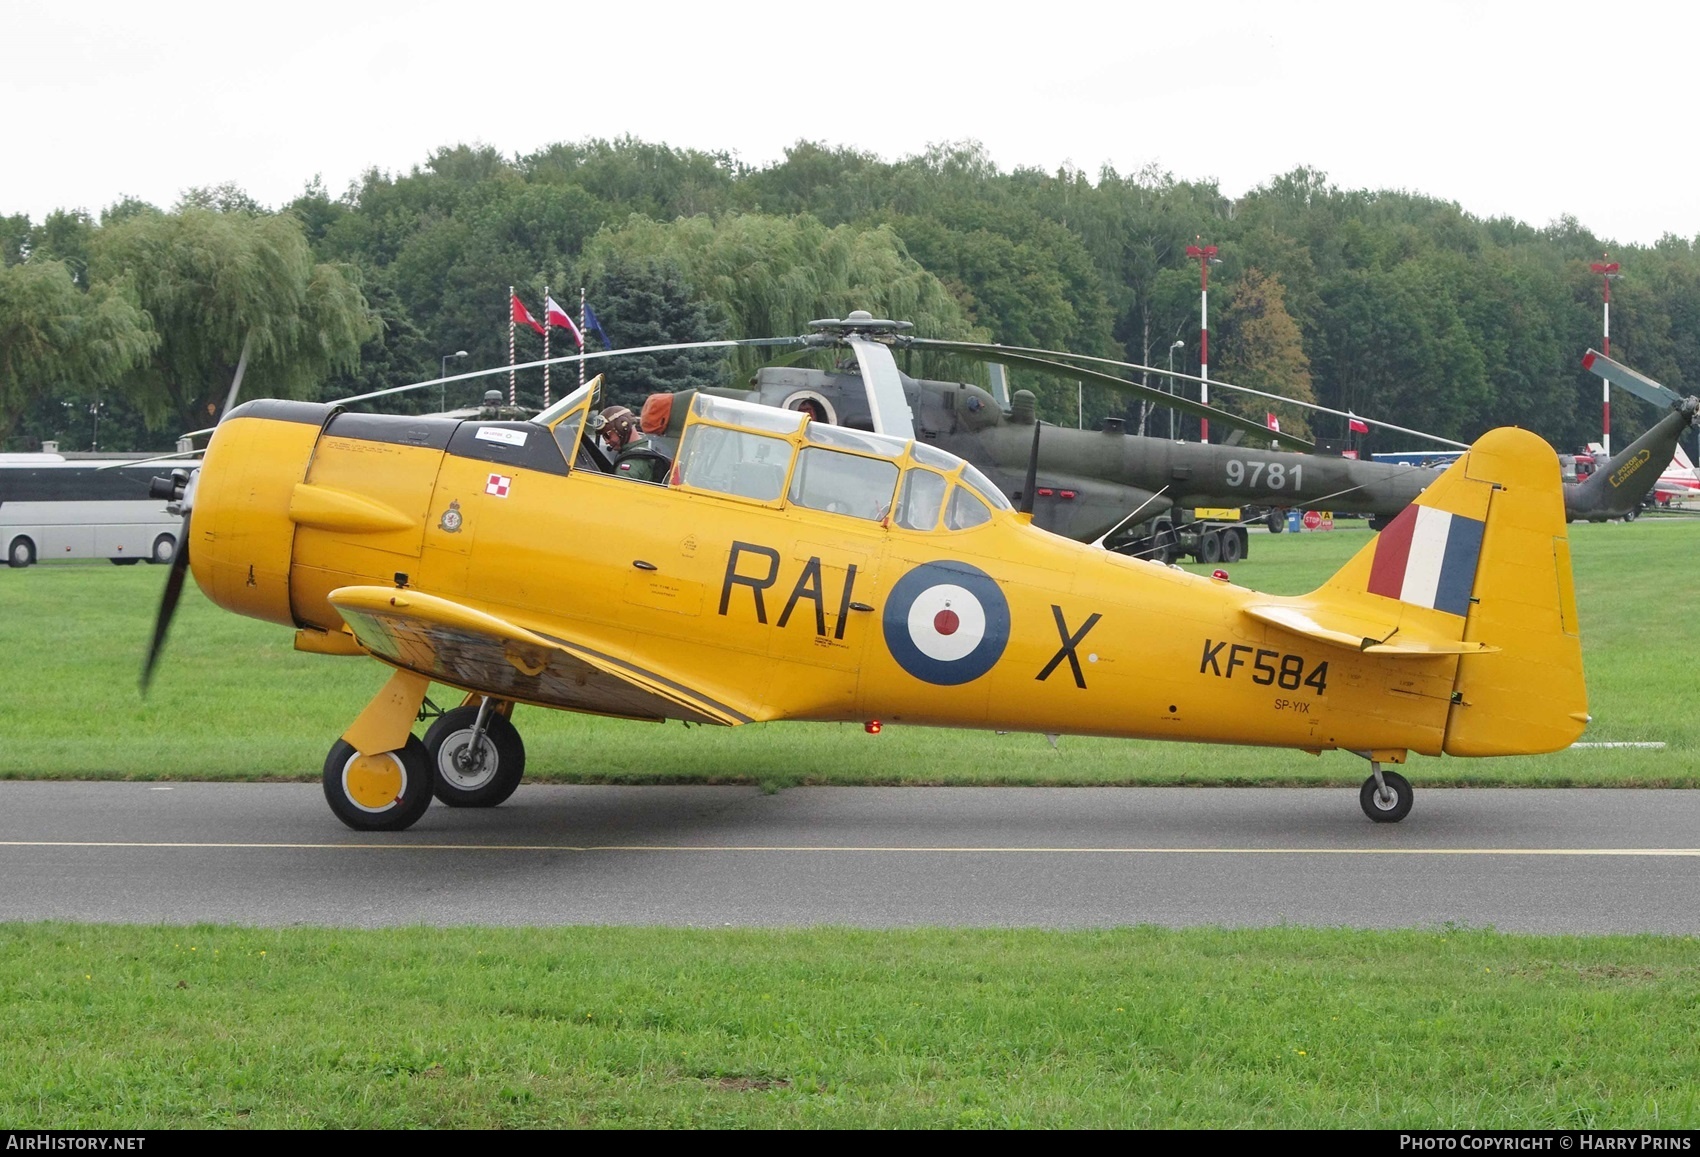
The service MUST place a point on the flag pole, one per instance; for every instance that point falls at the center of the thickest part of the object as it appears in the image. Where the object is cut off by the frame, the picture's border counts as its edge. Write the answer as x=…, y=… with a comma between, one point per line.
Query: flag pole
x=511, y=391
x=581, y=331
x=546, y=328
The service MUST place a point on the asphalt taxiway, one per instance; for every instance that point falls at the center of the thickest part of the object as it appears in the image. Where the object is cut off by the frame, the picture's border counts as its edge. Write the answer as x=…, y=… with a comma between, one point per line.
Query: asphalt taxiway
x=1581, y=861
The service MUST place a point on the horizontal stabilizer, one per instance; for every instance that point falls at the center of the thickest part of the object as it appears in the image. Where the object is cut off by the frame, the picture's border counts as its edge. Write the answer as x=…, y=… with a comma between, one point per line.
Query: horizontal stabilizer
x=1361, y=632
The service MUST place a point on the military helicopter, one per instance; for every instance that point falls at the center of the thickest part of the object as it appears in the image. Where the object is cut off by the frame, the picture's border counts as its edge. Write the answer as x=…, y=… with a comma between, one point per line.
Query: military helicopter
x=1118, y=489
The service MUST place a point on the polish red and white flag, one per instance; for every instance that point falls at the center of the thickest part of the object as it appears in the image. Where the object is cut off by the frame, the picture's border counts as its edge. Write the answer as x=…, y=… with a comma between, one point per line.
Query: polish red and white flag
x=560, y=318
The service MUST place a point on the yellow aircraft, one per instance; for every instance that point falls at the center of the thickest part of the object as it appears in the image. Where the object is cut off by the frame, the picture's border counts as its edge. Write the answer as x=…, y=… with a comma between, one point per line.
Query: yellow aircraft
x=789, y=569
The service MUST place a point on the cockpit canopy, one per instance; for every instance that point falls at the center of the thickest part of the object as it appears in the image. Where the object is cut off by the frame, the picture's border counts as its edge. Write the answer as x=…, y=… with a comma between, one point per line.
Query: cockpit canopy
x=781, y=457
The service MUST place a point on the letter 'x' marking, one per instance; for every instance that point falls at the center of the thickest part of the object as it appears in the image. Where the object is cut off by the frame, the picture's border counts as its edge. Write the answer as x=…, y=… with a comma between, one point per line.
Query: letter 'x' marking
x=1069, y=643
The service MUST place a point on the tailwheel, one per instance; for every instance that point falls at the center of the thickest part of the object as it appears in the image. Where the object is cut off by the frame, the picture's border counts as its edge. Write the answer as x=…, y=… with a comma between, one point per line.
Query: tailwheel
x=476, y=756
x=1385, y=796
x=386, y=792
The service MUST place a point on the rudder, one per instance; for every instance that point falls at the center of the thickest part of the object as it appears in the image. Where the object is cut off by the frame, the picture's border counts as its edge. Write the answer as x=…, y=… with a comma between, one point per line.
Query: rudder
x=1529, y=697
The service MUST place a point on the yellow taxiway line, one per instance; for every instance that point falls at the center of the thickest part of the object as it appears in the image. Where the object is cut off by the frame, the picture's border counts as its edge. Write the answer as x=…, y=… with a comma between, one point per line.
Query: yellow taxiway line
x=142, y=845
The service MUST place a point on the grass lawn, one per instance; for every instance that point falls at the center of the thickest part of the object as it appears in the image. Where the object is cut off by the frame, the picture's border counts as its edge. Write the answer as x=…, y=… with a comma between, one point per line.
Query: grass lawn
x=146, y=1027
x=233, y=700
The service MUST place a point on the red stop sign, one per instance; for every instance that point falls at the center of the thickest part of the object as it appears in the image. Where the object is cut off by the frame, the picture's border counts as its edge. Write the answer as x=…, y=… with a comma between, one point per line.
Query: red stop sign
x=1312, y=520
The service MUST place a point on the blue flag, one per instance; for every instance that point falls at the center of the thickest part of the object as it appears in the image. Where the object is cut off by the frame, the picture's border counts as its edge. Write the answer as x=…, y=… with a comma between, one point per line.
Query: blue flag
x=591, y=325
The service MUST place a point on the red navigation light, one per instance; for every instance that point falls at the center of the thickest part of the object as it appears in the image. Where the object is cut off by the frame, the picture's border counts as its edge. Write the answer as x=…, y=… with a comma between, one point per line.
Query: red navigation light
x=1066, y=494
x=872, y=727
x=1044, y=492
x=1219, y=574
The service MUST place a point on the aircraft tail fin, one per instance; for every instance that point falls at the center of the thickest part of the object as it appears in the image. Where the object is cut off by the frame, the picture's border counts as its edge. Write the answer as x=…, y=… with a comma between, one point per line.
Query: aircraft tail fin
x=1482, y=557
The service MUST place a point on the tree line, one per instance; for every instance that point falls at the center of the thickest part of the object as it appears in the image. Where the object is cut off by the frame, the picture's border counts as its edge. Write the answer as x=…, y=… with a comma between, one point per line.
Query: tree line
x=1391, y=304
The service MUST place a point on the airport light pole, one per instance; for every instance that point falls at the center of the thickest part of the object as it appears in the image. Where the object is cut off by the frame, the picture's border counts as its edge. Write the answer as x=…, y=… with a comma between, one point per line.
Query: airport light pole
x=442, y=391
x=1608, y=273
x=1177, y=345
x=1206, y=255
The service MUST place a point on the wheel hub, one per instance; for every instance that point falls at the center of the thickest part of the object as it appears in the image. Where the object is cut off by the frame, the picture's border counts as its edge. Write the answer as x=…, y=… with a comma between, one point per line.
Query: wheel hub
x=374, y=783
x=466, y=764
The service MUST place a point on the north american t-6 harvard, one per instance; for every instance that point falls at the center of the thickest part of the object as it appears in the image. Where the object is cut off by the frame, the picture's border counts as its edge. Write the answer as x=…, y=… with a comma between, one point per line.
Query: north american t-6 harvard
x=786, y=568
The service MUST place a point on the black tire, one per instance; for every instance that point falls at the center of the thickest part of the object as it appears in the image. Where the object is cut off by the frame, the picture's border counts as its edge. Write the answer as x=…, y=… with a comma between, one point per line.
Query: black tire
x=1165, y=546
x=494, y=778
x=1233, y=545
x=164, y=549
x=1375, y=809
x=1632, y=514
x=376, y=815
x=1209, y=547
x=1276, y=521
x=20, y=552
x=132, y=561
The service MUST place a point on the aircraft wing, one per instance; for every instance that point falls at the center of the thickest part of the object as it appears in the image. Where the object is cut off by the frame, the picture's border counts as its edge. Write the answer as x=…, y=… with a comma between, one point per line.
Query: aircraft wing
x=459, y=645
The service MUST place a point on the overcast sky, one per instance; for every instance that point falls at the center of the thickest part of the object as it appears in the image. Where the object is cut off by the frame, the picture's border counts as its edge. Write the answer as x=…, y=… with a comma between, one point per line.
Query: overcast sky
x=1529, y=110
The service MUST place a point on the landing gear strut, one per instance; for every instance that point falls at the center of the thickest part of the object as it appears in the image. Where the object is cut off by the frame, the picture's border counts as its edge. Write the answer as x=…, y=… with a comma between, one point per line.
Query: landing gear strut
x=476, y=755
x=1385, y=795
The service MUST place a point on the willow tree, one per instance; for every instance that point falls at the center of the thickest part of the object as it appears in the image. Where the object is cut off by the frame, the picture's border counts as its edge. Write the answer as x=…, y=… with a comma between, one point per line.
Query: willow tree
x=56, y=339
x=210, y=282
x=771, y=276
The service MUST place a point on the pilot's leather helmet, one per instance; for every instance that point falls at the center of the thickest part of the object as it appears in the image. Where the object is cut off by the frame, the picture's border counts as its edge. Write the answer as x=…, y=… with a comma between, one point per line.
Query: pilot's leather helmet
x=617, y=426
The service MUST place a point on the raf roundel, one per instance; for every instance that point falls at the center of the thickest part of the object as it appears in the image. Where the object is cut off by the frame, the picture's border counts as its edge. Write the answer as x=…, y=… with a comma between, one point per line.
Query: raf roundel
x=946, y=623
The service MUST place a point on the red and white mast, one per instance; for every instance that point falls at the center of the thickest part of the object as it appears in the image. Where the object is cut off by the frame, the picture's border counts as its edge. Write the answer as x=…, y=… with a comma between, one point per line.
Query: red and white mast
x=1608, y=274
x=1206, y=255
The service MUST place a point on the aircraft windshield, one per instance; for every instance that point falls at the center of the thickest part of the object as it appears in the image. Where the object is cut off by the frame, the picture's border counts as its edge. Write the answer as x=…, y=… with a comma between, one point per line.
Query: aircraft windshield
x=553, y=415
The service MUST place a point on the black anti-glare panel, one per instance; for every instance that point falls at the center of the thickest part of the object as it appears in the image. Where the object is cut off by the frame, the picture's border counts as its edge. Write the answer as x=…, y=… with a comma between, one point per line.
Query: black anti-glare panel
x=518, y=444
x=396, y=429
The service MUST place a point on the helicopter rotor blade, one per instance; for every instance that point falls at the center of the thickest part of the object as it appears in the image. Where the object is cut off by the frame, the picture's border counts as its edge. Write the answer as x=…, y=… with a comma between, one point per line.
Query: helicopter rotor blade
x=1625, y=378
x=1148, y=393
x=570, y=359
x=990, y=350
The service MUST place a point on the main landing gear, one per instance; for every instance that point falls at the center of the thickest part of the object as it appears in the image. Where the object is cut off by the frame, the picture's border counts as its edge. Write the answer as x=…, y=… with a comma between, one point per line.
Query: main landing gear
x=1385, y=795
x=476, y=754
x=471, y=757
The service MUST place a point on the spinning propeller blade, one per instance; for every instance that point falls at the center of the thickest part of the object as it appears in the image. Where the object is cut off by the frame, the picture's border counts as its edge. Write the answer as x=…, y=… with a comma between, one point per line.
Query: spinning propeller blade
x=180, y=488
x=168, y=603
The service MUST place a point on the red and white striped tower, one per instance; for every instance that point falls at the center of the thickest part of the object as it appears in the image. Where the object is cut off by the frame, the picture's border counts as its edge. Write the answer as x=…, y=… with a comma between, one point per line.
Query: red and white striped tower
x=1608, y=274
x=546, y=328
x=1206, y=255
x=512, y=392
x=582, y=330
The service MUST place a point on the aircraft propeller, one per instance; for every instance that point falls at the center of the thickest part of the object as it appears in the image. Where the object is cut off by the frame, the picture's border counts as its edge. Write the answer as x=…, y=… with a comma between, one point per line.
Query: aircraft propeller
x=178, y=489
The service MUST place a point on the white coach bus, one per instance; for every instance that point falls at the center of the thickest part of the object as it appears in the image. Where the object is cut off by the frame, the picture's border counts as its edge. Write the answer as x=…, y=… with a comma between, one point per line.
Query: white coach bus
x=54, y=506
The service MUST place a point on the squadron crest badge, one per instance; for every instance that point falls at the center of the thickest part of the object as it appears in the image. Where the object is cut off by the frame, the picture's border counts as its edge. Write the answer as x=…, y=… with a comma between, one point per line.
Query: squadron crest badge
x=450, y=522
